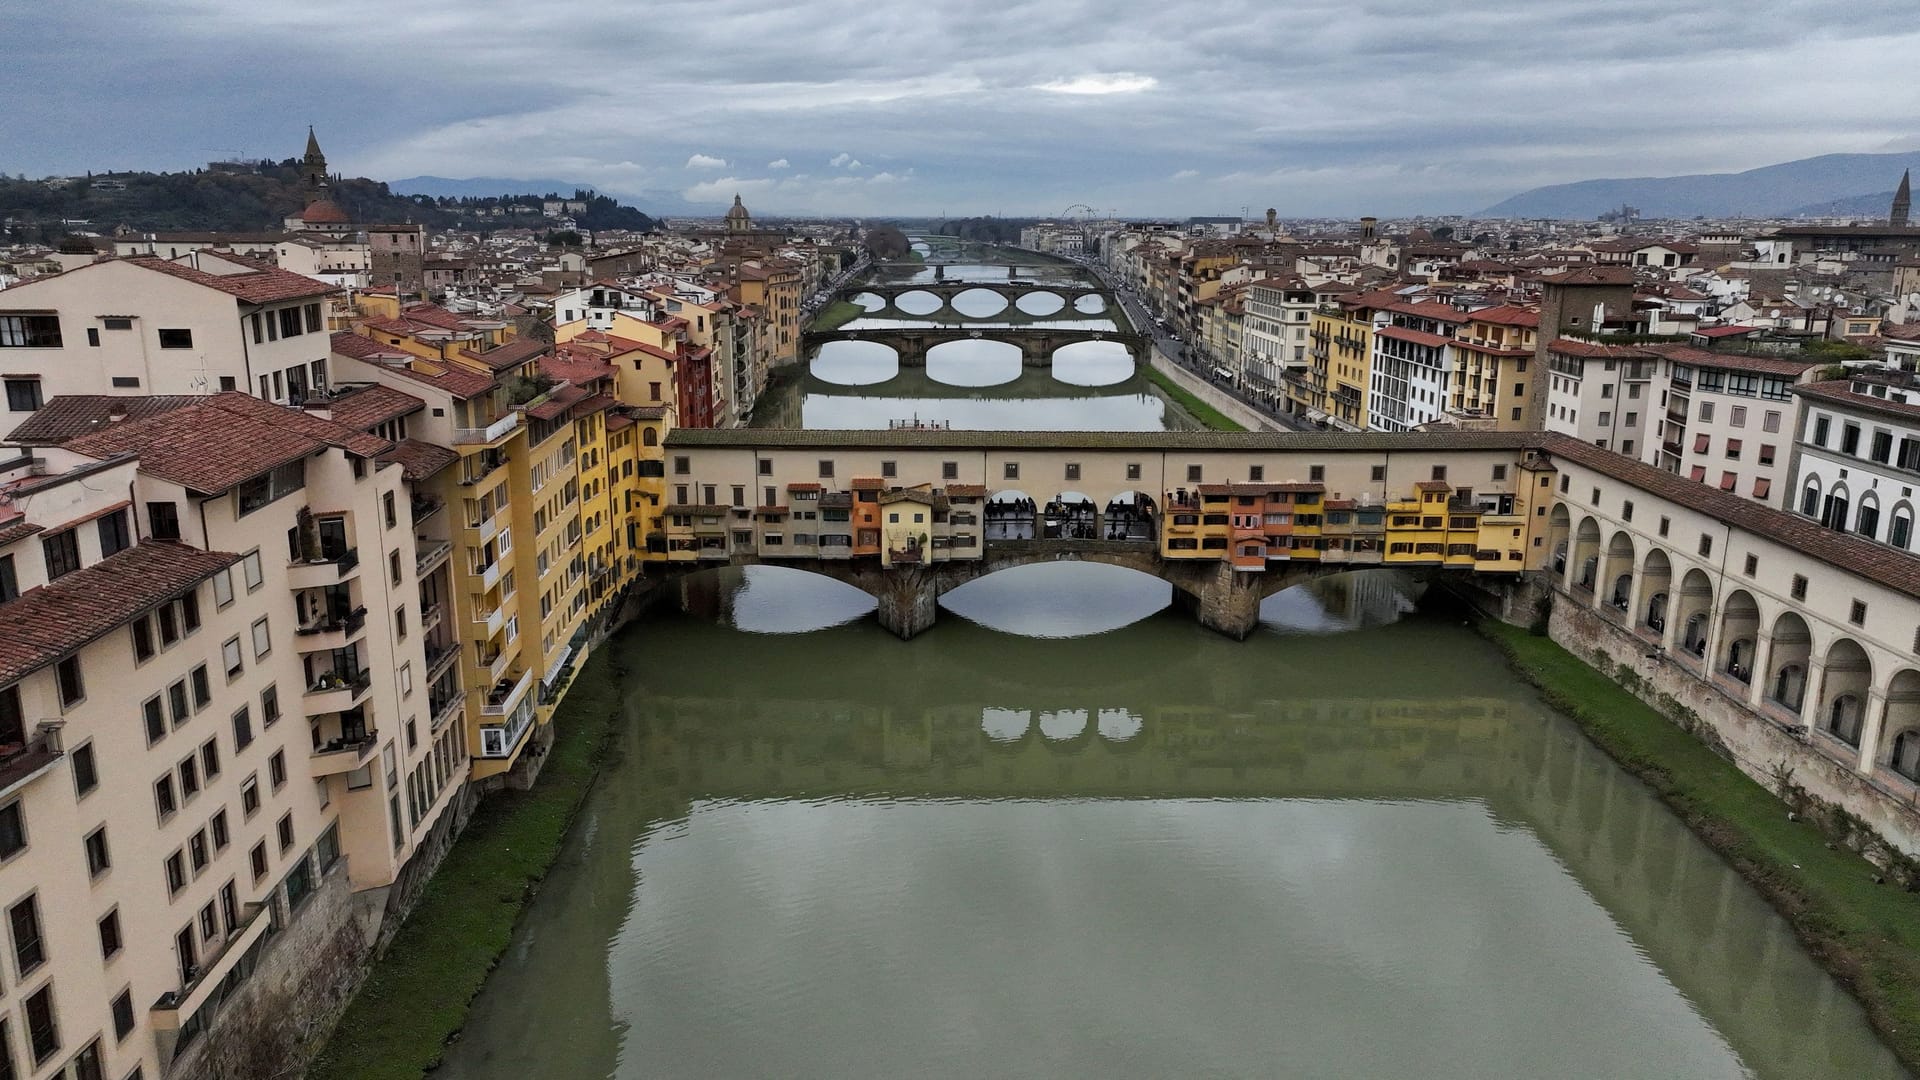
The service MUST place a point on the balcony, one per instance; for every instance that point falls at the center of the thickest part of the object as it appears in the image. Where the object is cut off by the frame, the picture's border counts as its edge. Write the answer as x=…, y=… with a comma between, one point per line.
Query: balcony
x=322, y=570
x=23, y=762
x=180, y=1016
x=429, y=554
x=342, y=755
x=503, y=740
x=326, y=635
x=430, y=617
x=425, y=506
x=506, y=694
x=490, y=574
x=439, y=659
x=478, y=468
x=492, y=619
x=493, y=432
x=446, y=710
x=337, y=690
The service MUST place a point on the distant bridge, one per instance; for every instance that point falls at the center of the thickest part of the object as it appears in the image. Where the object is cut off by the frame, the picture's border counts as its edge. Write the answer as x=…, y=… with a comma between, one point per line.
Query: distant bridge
x=1037, y=343
x=1070, y=293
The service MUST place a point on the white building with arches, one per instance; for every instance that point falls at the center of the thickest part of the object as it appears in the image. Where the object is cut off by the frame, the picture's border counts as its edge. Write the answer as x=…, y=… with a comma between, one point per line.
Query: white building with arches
x=1856, y=457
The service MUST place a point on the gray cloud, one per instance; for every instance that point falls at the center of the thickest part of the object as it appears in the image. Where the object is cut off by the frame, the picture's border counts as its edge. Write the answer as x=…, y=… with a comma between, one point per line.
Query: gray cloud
x=1320, y=107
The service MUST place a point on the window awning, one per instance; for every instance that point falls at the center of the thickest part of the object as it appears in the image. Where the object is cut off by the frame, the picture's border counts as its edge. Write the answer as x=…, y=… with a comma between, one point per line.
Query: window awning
x=1699, y=473
x=1729, y=481
x=1700, y=443
x=1761, y=486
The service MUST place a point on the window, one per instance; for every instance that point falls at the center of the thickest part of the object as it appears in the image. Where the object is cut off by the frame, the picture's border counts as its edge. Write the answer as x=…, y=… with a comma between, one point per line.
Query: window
x=1011, y=470
x=163, y=797
x=1073, y=470
x=1626, y=510
x=202, y=687
x=393, y=567
x=1752, y=564
x=1857, y=615
x=1379, y=474
x=86, y=774
x=1737, y=415
x=164, y=519
x=1256, y=473
x=283, y=831
x=189, y=771
x=175, y=338
x=62, y=550
x=155, y=715
x=23, y=395
x=1771, y=421
x=176, y=871
x=114, y=535
x=210, y=758
x=1766, y=454
x=13, y=830
x=73, y=690
x=29, y=947
x=242, y=729
x=1706, y=410
x=1799, y=588
x=257, y=860
x=9, y=580
x=1133, y=470
x=826, y=469
x=109, y=926
x=30, y=332
x=262, y=639
x=230, y=658
x=1822, y=426
x=249, y=796
x=269, y=706
x=949, y=470
x=123, y=1015
x=250, y=569
x=222, y=588
x=1850, y=439
x=43, y=1034
x=277, y=769
x=99, y=861
x=1706, y=544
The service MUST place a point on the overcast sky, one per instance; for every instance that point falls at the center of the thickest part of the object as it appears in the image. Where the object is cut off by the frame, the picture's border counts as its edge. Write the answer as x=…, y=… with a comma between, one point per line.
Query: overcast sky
x=1334, y=107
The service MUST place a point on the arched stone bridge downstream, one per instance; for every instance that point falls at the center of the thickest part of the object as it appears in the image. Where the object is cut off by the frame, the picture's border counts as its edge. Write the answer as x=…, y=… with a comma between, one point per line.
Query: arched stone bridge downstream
x=1037, y=343
x=1011, y=291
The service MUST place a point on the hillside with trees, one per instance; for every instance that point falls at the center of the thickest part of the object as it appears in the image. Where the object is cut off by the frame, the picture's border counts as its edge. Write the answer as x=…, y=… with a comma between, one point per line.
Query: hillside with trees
x=257, y=197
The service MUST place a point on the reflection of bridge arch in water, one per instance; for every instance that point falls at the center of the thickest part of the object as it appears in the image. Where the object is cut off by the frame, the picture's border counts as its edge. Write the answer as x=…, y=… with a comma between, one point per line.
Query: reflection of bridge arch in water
x=1031, y=384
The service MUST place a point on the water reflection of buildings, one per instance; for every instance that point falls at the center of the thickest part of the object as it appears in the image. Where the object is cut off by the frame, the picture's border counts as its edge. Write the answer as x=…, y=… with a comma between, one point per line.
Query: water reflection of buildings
x=1712, y=936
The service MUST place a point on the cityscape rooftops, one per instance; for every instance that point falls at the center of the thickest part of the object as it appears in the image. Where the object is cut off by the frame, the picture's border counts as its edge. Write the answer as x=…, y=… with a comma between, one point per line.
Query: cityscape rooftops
x=212, y=445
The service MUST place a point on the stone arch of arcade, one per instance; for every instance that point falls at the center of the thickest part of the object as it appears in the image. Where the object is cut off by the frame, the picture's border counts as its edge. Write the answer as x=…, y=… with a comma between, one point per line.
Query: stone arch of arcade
x=1036, y=343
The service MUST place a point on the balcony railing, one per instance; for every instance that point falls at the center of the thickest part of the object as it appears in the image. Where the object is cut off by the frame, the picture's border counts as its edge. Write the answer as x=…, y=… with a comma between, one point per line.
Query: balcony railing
x=320, y=570
x=429, y=554
x=439, y=658
x=21, y=762
x=501, y=740
x=506, y=694
x=497, y=430
x=337, y=691
x=342, y=755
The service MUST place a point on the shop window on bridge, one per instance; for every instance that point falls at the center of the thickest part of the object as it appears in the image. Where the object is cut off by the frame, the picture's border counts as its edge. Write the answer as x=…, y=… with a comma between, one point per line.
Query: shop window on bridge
x=1183, y=543
x=1214, y=543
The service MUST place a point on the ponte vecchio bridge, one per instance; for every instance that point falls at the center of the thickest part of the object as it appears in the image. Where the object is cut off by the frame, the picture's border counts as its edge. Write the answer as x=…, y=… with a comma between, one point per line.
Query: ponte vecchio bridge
x=1790, y=640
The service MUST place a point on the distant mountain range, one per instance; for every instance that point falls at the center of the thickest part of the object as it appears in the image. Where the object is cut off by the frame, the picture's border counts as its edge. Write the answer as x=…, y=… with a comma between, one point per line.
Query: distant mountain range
x=1806, y=186
x=656, y=203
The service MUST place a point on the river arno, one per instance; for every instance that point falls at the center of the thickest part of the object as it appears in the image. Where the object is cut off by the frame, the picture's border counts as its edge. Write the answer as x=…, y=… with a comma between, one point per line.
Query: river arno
x=1146, y=851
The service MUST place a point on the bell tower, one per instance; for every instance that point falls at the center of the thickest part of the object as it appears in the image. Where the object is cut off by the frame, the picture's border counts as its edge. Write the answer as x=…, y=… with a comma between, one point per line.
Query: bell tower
x=1902, y=201
x=313, y=169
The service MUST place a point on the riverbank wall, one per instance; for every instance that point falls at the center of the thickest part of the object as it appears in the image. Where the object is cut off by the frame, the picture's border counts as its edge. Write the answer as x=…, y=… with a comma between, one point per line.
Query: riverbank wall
x=1226, y=404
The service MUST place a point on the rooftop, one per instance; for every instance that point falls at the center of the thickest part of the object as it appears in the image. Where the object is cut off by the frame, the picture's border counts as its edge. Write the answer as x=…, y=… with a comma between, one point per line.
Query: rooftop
x=218, y=442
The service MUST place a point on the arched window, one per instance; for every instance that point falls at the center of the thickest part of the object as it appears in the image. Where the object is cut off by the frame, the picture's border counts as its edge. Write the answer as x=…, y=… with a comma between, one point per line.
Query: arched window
x=1790, y=686
x=1900, y=529
x=1695, y=639
x=1810, y=498
x=1867, y=523
x=1834, y=514
x=650, y=437
x=1906, y=754
x=1657, y=612
x=1843, y=719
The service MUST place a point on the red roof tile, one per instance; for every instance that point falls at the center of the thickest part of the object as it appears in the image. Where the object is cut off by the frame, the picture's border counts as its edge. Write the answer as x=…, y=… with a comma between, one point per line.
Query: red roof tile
x=419, y=460
x=1418, y=337
x=216, y=444
x=368, y=407
x=263, y=286
x=70, y=416
x=52, y=621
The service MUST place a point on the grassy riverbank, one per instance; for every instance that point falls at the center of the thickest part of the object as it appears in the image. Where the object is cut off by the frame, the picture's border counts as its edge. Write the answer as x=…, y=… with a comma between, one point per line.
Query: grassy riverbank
x=837, y=314
x=1213, y=419
x=418, y=994
x=1867, y=935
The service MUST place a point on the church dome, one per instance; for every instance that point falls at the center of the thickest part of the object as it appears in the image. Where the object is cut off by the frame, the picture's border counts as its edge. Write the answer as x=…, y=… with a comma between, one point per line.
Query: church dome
x=738, y=214
x=324, y=212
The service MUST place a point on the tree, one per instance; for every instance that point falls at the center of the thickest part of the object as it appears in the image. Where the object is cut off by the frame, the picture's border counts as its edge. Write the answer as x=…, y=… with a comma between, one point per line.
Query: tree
x=569, y=238
x=885, y=242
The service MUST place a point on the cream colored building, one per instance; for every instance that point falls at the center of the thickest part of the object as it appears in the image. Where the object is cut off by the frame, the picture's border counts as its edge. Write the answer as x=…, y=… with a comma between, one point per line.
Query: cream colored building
x=213, y=697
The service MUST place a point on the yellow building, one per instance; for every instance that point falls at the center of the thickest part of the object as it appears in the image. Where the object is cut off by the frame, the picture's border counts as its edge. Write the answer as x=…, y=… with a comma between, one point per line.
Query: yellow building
x=1339, y=351
x=1492, y=354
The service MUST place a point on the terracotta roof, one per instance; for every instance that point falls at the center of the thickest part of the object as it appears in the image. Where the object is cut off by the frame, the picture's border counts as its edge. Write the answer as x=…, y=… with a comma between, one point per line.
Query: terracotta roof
x=263, y=286
x=70, y=416
x=1429, y=309
x=1418, y=337
x=1765, y=365
x=1900, y=331
x=1863, y=558
x=1725, y=331
x=1577, y=347
x=1433, y=485
x=577, y=365
x=920, y=495
x=966, y=491
x=370, y=406
x=1840, y=392
x=803, y=487
x=1506, y=315
x=559, y=400
x=419, y=460
x=511, y=355
x=596, y=403
x=15, y=531
x=362, y=347
x=1591, y=275
x=211, y=446
x=324, y=212
x=868, y=483
x=50, y=622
